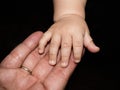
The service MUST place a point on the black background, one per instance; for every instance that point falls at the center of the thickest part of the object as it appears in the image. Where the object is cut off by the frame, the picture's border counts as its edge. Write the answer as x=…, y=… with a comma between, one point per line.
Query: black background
x=98, y=71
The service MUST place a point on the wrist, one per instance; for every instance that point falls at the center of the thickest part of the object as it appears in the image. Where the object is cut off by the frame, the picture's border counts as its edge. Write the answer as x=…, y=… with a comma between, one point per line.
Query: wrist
x=68, y=7
x=58, y=15
x=72, y=15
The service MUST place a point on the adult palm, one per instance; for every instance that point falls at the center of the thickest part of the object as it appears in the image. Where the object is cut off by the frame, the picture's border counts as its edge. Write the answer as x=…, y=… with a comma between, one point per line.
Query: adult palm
x=43, y=77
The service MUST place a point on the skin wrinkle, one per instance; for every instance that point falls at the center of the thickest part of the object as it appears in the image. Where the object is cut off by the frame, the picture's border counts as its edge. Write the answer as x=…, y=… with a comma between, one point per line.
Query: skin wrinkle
x=15, y=55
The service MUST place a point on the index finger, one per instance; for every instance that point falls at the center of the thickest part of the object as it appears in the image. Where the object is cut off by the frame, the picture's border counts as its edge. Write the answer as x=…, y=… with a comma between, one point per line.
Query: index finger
x=18, y=55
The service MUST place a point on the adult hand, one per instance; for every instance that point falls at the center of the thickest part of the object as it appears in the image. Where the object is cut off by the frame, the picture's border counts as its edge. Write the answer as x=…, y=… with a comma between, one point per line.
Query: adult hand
x=36, y=74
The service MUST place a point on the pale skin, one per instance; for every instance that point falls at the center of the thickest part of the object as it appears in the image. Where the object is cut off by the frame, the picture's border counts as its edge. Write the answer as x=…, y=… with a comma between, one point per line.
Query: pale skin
x=43, y=77
x=68, y=33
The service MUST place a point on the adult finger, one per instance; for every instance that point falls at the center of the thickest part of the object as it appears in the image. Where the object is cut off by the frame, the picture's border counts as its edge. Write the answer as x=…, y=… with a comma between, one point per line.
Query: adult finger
x=60, y=76
x=34, y=58
x=42, y=69
x=18, y=55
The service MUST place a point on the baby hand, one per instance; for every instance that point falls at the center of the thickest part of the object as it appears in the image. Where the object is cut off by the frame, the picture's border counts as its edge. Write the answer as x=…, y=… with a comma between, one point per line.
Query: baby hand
x=70, y=33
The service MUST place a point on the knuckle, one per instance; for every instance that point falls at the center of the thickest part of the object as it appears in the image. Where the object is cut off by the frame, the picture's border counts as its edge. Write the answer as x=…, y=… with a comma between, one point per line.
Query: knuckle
x=65, y=57
x=54, y=44
x=26, y=46
x=13, y=57
x=53, y=50
x=52, y=56
x=52, y=53
x=77, y=44
x=65, y=45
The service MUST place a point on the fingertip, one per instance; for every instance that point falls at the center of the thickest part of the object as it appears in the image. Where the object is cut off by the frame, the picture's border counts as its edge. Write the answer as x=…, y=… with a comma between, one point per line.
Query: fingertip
x=93, y=48
x=39, y=32
x=77, y=61
x=97, y=49
x=40, y=51
x=77, y=57
x=64, y=64
x=52, y=62
x=41, y=47
x=90, y=45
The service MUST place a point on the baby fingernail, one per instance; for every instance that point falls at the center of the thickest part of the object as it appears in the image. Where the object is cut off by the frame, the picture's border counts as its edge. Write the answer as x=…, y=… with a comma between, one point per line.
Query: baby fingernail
x=52, y=62
x=63, y=64
x=77, y=61
x=40, y=51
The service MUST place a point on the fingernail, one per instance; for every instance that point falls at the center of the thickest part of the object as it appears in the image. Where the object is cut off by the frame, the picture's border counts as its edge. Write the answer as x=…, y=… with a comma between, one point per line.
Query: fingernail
x=77, y=61
x=40, y=51
x=52, y=62
x=64, y=64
